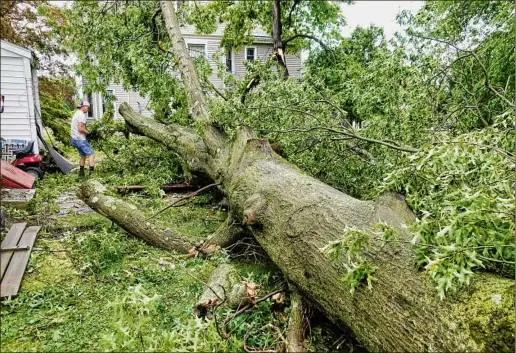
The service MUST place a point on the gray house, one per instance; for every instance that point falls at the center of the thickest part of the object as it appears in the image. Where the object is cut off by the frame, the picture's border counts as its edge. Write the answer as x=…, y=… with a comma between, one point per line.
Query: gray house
x=21, y=108
x=206, y=45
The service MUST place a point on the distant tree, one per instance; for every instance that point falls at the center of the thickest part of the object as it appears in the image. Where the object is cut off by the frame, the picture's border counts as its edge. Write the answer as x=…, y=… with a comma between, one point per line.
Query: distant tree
x=57, y=104
x=28, y=23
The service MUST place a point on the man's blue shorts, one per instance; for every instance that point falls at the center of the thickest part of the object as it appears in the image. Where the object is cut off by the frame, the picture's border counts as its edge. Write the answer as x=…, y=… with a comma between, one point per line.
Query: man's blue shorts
x=83, y=147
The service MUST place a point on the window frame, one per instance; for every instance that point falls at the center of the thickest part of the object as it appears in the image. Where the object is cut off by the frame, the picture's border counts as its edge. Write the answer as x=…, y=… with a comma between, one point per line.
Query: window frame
x=232, y=54
x=193, y=41
x=255, y=53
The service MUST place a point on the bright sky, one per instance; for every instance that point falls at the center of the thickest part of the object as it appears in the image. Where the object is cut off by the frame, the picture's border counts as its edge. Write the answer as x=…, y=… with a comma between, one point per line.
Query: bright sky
x=380, y=13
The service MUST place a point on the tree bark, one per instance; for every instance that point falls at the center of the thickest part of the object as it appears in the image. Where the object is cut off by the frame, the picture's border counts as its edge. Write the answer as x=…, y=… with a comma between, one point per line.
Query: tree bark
x=296, y=329
x=129, y=218
x=277, y=43
x=133, y=221
x=223, y=288
x=293, y=216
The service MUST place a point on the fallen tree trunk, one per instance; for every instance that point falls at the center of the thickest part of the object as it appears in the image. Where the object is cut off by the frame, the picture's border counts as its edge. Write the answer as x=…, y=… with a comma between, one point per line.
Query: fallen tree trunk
x=293, y=216
x=133, y=221
x=129, y=218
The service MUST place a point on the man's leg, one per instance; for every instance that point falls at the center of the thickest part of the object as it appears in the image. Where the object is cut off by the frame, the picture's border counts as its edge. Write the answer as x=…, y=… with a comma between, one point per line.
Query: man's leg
x=91, y=159
x=82, y=161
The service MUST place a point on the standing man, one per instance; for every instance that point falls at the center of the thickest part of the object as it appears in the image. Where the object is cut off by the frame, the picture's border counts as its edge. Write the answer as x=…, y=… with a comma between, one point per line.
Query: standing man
x=78, y=134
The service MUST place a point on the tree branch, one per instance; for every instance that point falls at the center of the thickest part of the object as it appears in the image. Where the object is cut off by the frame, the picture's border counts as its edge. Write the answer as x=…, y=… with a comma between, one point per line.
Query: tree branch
x=252, y=83
x=155, y=32
x=296, y=2
x=198, y=105
x=307, y=36
x=472, y=52
x=350, y=134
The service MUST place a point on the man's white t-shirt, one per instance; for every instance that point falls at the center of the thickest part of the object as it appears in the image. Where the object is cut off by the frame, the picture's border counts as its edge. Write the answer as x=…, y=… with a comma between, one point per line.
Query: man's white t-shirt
x=78, y=117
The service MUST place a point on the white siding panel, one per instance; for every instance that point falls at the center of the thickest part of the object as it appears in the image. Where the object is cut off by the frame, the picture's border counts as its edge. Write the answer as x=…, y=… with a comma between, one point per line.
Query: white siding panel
x=10, y=79
x=20, y=128
x=15, y=118
x=16, y=61
x=294, y=65
x=14, y=91
x=8, y=54
x=6, y=73
x=8, y=67
x=213, y=47
x=121, y=96
x=16, y=84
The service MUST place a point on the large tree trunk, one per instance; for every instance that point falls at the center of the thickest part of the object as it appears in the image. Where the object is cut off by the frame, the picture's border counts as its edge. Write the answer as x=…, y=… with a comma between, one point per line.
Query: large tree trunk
x=293, y=216
x=278, y=48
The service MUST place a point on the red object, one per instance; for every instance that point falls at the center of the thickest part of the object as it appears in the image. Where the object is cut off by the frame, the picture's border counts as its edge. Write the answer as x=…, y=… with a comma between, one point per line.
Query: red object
x=29, y=160
x=15, y=178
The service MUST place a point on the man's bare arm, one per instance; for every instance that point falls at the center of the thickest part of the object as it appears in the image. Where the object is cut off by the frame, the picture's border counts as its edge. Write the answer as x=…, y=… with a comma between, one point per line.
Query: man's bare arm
x=82, y=129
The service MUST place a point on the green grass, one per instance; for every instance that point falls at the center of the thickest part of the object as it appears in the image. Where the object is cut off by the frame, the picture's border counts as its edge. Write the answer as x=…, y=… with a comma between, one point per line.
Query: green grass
x=83, y=264
x=90, y=286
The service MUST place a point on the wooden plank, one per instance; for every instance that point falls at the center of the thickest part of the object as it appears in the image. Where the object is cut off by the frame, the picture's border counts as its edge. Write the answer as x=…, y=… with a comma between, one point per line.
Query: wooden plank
x=14, y=274
x=11, y=239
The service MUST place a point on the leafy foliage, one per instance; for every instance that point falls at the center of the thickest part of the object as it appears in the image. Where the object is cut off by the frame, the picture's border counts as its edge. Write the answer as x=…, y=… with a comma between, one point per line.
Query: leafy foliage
x=27, y=24
x=464, y=189
x=57, y=105
x=123, y=42
x=243, y=19
x=426, y=114
x=352, y=248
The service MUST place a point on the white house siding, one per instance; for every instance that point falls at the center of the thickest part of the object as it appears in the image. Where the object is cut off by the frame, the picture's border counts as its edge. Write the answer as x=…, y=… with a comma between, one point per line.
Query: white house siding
x=121, y=96
x=212, y=44
x=18, y=84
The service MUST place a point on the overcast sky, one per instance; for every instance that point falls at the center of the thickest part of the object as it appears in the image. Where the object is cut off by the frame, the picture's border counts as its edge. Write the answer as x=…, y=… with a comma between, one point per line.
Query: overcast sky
x=380, y=13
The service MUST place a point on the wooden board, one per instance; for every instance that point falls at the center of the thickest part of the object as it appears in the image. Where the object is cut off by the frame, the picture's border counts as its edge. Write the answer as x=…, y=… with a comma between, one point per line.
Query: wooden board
x=14, y=274
x=11, y=240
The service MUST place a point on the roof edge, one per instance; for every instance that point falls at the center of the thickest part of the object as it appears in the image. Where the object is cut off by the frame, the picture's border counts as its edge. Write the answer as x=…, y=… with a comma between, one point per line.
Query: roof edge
x=17, y=49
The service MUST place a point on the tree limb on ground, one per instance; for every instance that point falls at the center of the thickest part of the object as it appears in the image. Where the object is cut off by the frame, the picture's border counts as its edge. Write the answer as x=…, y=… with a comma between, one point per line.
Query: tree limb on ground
x=224, y=287
x=133, y=221
x=296, y=330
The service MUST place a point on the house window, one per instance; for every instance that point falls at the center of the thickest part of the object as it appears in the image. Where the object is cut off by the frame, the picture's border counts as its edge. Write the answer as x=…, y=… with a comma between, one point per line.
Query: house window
x=109, y=93
x=250, y=54
x=89, y=98
x=229, y=61
x=196, y=49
